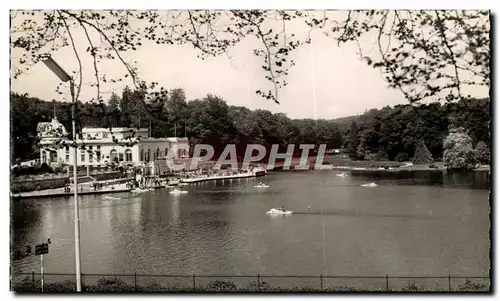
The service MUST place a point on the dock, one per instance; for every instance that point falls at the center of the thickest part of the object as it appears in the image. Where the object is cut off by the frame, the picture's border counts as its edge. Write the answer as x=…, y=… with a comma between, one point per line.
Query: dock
x=228, y=177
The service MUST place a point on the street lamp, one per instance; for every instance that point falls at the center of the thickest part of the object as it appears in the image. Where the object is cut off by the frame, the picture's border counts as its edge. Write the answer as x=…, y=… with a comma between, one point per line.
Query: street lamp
x=65, y=77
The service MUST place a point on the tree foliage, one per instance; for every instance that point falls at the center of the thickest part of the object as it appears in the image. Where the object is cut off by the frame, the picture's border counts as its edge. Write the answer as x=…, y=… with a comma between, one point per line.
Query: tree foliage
x=209, y=120
x=483, y=153
x=458, y=150
x=389, y=132
x=353, y=142
x=424, y=54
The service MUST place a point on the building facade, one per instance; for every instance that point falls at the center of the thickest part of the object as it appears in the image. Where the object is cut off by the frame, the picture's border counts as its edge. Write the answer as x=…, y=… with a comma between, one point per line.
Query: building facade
x=102, y=147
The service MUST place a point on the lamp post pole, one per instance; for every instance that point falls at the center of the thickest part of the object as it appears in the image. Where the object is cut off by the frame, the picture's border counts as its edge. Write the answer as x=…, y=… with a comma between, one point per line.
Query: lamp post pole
x=65, y=77
x=75, y=188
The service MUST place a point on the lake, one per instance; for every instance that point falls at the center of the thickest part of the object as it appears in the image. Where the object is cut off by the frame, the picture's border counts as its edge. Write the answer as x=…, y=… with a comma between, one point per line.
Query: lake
x=416, y=225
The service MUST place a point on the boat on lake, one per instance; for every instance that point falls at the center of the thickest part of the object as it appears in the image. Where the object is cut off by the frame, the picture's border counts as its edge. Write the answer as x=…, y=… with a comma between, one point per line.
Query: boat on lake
x=280, y=211
x=140, y=190
x=261, y=185
x=178, y=191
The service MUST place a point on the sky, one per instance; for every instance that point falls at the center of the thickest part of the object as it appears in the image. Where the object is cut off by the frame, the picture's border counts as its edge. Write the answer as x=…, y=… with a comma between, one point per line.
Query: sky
x=328, y=81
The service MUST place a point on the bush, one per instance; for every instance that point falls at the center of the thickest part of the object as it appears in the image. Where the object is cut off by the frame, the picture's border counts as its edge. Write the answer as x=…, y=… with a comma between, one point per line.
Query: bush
x=411, y=287
x=458, y=151
x=221, y=286
x=482, y=153
x=401, y=157
x=370, y=157
x=382, y=156
x=117, y=285
x=255, y=286
x=468, y=286
x=31, y=170
x=422, y=154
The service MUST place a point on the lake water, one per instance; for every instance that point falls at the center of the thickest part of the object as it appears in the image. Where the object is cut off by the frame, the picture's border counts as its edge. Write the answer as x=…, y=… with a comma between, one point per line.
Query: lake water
x=403, y=227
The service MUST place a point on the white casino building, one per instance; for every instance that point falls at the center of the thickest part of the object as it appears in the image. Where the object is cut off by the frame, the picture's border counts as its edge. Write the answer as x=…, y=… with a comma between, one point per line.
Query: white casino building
x=100, y=149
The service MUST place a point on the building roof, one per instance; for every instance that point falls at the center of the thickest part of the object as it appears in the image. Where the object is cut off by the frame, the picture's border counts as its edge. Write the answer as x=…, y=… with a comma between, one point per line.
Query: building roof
x=114, y=130
x=52, y=129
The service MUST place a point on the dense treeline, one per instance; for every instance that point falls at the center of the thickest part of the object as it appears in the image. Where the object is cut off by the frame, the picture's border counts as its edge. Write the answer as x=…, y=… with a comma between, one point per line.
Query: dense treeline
x=394, y=133
x=389, y=133
x=209, y=120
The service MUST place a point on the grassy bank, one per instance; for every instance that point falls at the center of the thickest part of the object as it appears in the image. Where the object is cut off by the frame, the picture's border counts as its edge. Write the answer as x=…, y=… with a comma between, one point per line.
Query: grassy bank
x=111, y=285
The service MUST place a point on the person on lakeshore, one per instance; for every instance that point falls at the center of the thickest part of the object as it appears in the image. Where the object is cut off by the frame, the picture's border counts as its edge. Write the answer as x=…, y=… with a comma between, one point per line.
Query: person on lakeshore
x=283, y=208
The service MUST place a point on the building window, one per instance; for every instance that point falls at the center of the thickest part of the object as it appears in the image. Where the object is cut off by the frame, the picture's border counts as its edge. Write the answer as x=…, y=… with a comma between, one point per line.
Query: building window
x=142, y=154
x=91, y=158
x=157, y=153
x=89, y=136
x=112, y=155
x=166, y=151
x=98, y=154
x=105, y=135
x=120, y=156
x=44, y=157
x=67, y=153
x=83, y=158
x=128, y=155
x=53, y=157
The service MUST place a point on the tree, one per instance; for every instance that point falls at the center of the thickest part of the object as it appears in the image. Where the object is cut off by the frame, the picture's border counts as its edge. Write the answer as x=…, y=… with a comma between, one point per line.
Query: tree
x=441, y=52
x=482, y=153
x=353, y=141
x=458, y=150
x=175, y=108
x=422, y=154
x=113, y=111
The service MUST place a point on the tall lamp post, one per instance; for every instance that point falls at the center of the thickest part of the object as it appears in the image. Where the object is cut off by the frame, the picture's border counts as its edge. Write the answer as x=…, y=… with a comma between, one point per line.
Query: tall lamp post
x=64, y=77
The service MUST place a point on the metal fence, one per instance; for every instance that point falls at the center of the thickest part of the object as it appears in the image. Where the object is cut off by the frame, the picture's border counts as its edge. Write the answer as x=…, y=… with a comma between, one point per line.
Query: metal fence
x=34, y=282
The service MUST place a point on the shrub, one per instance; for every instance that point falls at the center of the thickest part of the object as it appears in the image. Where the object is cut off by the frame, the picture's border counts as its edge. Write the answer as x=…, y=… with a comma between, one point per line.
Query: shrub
x=422, y=154
x=458, y=150
x=370, y=157
x=411, y=287
x=221, y=286
x=261, y=286
x=401, y=157
x=482, y=153
x=382, y=156
x=468, y=286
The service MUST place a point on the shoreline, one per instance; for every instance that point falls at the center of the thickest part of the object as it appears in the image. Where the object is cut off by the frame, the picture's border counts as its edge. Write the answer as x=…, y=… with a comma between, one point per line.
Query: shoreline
x=51, y=194
x=59, y=192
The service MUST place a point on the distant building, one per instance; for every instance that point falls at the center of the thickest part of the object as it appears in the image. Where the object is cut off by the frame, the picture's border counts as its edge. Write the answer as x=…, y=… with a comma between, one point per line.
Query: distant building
x=100, y=149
